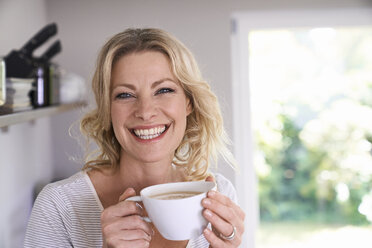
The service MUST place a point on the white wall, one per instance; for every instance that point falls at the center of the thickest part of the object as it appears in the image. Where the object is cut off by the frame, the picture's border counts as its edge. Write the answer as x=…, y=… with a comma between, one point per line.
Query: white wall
x=24, y=148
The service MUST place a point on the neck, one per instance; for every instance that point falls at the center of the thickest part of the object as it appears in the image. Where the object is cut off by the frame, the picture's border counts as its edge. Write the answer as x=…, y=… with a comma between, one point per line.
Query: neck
x=139, y=174
x=132, y=174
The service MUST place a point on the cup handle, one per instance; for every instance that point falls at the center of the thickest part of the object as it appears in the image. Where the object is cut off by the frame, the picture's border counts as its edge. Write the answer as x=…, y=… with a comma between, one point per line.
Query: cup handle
x=135, y=198
x=138, y=199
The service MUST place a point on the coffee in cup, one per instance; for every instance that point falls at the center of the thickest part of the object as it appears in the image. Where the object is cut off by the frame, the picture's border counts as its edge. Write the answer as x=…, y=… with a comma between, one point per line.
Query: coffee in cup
x=175, y=195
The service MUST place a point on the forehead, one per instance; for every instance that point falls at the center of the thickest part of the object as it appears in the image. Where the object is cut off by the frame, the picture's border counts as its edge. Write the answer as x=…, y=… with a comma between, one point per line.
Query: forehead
x=146, y=65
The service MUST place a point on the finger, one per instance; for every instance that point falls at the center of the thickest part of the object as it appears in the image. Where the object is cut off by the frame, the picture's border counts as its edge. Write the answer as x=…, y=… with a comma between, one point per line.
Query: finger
x=127, y=193
x=224, y=200
x=213, y=239
x=118, y=242
x=141, y=243
x=136, y=222
x=223, y=217
x=122, y=209
x=218, y=223
x=127, y=235
x=226, y=212
x=134, y=235
x=133, y=222
x=210, y=179
x=215, y=195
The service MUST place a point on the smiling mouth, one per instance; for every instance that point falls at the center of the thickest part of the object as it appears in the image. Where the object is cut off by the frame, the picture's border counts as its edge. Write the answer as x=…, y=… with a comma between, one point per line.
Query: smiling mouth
x=150, y=133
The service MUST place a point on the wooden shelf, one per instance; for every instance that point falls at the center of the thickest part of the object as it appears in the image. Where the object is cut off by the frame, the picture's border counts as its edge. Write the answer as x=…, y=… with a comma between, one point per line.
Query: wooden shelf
x=19, y=117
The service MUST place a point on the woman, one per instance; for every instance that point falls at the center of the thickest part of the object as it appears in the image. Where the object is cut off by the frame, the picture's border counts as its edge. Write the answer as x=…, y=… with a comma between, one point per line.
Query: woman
x=156, y=121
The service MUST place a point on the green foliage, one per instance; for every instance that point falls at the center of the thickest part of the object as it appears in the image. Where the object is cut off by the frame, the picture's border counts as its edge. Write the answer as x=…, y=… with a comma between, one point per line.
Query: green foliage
x=302, y=183
x=313, y=127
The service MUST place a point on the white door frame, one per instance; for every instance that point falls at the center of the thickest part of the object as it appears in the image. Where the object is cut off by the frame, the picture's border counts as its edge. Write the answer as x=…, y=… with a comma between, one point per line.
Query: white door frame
x=242, y=24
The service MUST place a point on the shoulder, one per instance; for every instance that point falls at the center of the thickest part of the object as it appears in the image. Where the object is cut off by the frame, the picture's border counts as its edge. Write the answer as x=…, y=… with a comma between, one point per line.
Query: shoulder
x=51, y=215
x=64, y=213
x=63, y=188
x=58, y=197
x=72, y=181
x=67, y=196
x=225, y=186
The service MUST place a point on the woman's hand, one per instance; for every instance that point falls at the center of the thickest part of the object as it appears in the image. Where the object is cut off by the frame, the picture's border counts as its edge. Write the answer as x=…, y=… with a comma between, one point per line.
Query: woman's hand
x=122, y=225
x=227, y=220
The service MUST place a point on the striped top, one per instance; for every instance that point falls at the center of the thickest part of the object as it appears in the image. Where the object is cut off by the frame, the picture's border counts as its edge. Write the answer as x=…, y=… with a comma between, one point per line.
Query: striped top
x=67, y=214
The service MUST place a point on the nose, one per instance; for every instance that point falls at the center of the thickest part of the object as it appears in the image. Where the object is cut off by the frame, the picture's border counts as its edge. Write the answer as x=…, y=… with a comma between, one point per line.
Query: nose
x=146, y=109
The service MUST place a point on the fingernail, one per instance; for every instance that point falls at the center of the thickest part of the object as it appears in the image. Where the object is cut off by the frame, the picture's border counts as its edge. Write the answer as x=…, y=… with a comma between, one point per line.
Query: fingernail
x=207, y=231
x=207, y=202
x=211, y=193
x=153, y=232
x=131, y=190
x=208, y=213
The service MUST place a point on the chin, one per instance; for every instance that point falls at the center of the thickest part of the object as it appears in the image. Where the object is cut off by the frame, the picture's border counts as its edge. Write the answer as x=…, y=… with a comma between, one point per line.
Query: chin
x=147, y=158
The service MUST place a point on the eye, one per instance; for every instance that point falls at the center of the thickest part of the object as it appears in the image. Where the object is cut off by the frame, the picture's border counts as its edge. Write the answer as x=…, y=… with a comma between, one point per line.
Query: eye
x=124, y=95
x=164, y=90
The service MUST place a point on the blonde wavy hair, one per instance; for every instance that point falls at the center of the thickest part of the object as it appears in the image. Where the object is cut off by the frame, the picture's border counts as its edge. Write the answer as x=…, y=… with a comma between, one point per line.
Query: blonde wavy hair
x=204, y=138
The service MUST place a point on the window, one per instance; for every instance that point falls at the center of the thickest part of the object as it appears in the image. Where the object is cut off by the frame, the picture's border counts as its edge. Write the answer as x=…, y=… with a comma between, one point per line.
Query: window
x=302, y=84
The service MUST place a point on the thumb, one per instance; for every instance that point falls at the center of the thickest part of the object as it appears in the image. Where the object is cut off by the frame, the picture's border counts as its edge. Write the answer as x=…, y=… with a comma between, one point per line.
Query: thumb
x=210, y=179
x=127, y=193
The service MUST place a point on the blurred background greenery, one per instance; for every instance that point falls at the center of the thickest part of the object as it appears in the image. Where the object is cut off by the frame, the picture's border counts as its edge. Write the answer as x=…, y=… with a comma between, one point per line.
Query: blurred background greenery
x=312, y=121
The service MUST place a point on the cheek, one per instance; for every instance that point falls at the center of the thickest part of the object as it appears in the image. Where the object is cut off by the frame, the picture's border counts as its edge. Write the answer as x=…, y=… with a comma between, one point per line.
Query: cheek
x=178, y=110
x=116, y=127
x=181, y=115
x=114, y=116
x=118, y=117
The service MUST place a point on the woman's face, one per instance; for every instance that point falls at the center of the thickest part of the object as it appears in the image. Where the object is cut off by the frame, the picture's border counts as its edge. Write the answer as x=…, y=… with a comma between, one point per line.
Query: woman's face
x=148, y=107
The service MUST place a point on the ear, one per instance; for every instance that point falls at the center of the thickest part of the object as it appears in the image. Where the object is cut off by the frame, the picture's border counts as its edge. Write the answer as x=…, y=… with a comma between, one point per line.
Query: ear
x=189, y=107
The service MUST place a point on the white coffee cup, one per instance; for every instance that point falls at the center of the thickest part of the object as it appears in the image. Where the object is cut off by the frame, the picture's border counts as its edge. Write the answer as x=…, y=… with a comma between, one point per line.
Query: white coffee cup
x=176, y=219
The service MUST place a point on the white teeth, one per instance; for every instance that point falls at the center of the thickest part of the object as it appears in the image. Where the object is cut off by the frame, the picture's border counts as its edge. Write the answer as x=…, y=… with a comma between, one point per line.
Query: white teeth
x=149, y=133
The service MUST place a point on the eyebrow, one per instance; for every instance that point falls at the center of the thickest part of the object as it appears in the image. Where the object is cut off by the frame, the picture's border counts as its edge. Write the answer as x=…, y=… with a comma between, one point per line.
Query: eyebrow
x=156, y=83
x=153, y=85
